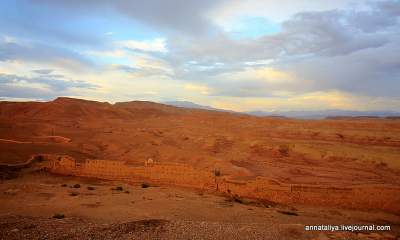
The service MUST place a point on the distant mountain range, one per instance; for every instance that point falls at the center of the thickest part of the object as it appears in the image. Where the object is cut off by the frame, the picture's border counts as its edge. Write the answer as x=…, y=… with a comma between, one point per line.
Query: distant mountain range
x=325, y=114
x=294, y=114
x=187, y=104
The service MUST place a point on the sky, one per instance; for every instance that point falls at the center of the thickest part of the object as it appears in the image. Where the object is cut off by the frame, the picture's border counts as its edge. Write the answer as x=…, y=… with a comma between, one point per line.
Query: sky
x=242, y=55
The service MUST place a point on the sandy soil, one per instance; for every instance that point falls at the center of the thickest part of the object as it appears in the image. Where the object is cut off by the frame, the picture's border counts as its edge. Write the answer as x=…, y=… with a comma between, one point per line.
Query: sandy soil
x=333, y=152
x=96, y=210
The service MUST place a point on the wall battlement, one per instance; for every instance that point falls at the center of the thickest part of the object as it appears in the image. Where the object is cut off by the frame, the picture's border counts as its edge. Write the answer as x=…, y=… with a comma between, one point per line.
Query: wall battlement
x=366, y=197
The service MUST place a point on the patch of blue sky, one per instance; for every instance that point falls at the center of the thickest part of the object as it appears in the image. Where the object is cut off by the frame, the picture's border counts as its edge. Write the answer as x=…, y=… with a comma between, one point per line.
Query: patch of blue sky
x=110, y=60
x=115, y=27
x=253, y=27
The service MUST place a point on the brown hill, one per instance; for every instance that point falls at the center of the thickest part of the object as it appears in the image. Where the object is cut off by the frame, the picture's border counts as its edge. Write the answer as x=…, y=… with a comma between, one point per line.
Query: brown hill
x=241, y=147
x=61, y=109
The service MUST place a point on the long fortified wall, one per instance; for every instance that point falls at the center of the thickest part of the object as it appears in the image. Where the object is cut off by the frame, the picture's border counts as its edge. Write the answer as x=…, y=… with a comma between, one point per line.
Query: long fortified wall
x=357, y=197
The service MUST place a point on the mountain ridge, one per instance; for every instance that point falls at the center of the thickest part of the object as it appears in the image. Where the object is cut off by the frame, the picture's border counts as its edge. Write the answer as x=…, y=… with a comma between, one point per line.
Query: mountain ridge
x=82, y=107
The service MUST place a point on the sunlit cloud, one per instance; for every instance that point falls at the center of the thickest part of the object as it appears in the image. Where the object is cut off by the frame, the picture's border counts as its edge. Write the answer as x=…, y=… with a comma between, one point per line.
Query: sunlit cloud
x=198, y=88
x=243, y=55
x=156, y=45
x=310, y=101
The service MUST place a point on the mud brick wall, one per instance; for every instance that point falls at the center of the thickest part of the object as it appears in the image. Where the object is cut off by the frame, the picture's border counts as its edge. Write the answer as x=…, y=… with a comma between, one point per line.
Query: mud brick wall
x=364, y=197
x=175, y=174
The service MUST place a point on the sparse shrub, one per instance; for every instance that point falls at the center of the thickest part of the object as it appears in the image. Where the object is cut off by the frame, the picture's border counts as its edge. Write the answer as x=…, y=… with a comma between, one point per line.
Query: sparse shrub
x=250, y=202
x=119, y=188
x=238, y=200
x=284, y=150
x=217, y=173
x=58, y=216
x=323, y=153
x=235, y=198
x=145, y=185
x=91, y=188
x=77, y=185
x=340, y=135
x=64, y=185
x=267, y=204
x=288, y=213
x=381, y=165
x=38, y=158
x=127, y=192
x=74, y=194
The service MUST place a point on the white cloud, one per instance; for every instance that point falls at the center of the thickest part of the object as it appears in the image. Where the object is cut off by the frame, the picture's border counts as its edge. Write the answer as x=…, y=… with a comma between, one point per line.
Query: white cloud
x=324, y=51
x=155, y=45
x=278, y=12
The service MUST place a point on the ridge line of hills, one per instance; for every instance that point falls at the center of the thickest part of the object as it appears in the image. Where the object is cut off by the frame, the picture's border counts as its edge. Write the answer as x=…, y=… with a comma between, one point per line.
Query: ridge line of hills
x=123, y=109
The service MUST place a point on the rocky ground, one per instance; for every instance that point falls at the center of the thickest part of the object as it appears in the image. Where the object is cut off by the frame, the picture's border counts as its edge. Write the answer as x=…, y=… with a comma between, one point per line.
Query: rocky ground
x=45, y=206
x=76, y=228
x=341, y=152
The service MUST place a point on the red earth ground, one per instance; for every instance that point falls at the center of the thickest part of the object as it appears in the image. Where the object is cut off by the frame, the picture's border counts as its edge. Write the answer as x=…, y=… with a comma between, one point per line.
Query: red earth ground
x=339, y=153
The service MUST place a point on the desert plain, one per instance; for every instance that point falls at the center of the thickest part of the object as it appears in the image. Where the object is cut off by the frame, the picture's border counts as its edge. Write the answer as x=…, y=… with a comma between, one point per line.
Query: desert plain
x=79, y=169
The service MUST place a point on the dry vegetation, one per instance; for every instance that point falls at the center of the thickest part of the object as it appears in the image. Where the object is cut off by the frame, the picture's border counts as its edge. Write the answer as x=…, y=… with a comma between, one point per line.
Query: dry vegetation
x=333, y=152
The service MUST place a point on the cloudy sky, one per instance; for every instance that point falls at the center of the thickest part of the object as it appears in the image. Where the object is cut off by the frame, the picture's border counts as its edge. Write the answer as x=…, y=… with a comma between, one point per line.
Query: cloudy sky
x=242, y=55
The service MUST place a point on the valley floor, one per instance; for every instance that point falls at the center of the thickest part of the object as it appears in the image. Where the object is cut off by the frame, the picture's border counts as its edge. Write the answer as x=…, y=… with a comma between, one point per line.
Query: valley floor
x=98, y=209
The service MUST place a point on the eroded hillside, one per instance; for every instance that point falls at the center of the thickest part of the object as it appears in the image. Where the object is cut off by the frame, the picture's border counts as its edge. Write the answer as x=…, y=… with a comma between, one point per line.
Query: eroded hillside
x=335, y=153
